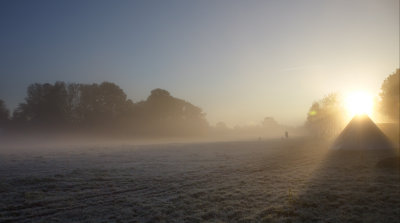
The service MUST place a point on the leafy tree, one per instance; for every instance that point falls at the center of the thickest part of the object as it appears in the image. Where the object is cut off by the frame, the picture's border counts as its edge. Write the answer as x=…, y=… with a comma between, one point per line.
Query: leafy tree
x=325, y=117
x=61, y=105
x=390, y=101
x=163, y=114
x=45, y=105
x=104, y=108
x=100, y=104
x=269, y=122
x=4, y=114
x=221, y=126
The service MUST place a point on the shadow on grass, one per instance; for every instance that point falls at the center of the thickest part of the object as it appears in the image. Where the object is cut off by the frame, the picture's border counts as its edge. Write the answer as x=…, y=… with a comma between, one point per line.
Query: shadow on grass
x=349, y=187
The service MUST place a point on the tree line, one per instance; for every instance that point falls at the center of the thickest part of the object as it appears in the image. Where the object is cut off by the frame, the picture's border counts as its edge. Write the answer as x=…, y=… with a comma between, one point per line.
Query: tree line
x=102, y=108
x=105, y=109
x=325, y=117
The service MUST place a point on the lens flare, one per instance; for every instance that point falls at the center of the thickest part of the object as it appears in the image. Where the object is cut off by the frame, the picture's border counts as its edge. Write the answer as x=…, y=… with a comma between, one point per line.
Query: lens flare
x=358, y=103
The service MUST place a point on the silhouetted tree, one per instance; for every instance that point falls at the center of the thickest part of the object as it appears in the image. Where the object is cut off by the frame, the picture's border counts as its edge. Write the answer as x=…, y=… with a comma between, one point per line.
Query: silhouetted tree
x=104, y=108
x=221, y=126
x=162, y=114
x=390, y=101
x=45, y=105
x=72, y=103
x=269, y=122
x=325, y=117
x=4, y=115
x=100, y=105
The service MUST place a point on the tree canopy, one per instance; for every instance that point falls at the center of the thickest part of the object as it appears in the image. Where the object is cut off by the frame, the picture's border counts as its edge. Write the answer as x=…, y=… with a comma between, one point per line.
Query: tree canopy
x=4, y=114
x=164, y=114
x=390, y=101
x=325, y=117
x=104, y=107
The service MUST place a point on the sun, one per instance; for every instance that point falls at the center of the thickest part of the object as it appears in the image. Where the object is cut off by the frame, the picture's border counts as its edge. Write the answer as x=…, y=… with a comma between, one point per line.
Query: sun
x=359, y=102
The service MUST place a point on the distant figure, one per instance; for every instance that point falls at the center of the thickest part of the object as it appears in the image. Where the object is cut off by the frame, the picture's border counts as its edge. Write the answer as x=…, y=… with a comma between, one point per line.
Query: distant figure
x=286, y=134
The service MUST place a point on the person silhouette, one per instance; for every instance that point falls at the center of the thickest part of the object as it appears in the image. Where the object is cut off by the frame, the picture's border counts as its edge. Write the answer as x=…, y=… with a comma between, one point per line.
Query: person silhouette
x=286, y=134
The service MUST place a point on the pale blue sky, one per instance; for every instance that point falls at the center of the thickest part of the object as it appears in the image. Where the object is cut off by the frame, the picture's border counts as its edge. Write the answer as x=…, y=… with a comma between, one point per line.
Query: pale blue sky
x=238, y=60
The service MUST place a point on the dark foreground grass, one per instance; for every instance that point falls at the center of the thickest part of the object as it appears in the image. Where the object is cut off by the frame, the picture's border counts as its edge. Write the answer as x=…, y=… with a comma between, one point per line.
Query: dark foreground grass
x=296, y=180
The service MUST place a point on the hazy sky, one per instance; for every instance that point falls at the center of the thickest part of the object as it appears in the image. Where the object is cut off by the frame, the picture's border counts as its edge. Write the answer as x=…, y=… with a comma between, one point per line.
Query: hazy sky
x=238, y=60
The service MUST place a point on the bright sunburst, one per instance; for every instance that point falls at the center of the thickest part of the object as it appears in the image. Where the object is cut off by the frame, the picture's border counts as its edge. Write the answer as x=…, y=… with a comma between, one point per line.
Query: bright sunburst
x=359, y=102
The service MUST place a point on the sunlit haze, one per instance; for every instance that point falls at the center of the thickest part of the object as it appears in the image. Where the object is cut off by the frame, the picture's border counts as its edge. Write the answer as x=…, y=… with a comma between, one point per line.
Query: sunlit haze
x=199, y=111
x=359, y=103
x=240, y=61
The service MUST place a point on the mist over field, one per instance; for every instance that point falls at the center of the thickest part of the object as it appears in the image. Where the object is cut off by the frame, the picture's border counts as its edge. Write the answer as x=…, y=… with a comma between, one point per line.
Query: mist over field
x=199, y=111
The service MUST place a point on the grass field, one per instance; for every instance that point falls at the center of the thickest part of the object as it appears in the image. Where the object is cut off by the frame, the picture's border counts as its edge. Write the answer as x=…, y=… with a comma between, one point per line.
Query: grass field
x=296, y=180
